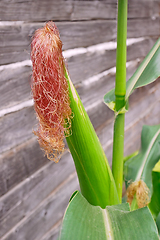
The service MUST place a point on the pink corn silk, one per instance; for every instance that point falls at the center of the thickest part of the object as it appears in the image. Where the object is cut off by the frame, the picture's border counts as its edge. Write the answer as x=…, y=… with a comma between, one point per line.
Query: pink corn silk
x=50, y=89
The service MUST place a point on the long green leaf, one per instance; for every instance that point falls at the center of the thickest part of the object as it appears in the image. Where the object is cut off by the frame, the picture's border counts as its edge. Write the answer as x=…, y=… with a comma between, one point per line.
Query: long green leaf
x=130, y=156
x=95, y=177
x=154, y=205
x=158, y=223
x=147, y=72
x=140, y=166
x=83, y=221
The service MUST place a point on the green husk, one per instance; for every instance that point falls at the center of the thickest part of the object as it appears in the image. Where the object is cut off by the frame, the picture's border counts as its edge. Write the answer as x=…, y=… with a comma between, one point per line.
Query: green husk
x=95, y=177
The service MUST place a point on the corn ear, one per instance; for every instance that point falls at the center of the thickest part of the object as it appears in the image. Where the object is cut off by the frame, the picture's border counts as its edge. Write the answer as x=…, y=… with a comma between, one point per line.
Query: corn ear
x=95, y=177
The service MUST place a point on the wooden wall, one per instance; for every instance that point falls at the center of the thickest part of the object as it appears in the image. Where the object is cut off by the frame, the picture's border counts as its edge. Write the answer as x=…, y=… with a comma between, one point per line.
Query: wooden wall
x=34, y=192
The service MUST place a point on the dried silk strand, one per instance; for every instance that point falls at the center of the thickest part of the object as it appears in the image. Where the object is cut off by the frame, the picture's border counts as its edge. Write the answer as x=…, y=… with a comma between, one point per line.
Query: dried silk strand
x=142, y=193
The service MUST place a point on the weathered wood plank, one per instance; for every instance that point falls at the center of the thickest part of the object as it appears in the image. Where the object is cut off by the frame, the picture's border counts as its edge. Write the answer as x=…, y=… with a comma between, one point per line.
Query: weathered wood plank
x=28, y=157
x=83, y=66
x=46, y=214
x=72, y=10
x=15, y=87
x=94, y=88
x=53, y=233
x=92, y=95
x=16, y=128
x=15, y=38
x=57, y=10
x=22, y=200
x=108, y=10
x=143, y=9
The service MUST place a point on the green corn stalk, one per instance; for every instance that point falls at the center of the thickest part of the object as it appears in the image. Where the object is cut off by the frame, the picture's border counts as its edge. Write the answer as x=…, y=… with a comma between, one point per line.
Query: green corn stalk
x=120, y=91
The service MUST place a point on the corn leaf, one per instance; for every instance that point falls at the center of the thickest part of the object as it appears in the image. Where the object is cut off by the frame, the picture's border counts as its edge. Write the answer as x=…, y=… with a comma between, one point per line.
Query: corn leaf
x=154, y=205
x=147, y=72
x=87, y=222
x=158, y=223
x=140, y=166
x=130, y=156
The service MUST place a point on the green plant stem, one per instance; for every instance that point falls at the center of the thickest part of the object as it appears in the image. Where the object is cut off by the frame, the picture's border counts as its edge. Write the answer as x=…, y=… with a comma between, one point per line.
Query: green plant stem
x=120, y=86
x=120, y=91
x=118, y=146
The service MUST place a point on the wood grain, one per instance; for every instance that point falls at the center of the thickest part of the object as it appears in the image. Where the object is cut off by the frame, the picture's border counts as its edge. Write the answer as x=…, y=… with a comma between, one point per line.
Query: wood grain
x=57, y=10
x=72, y=10
x=20, y=202
x=14, y=86
x=15, y=83
x=53, y=233
x=15, y=128
x=46, y=214
x=87, y=65
x=28, y=157
x=15, y=38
